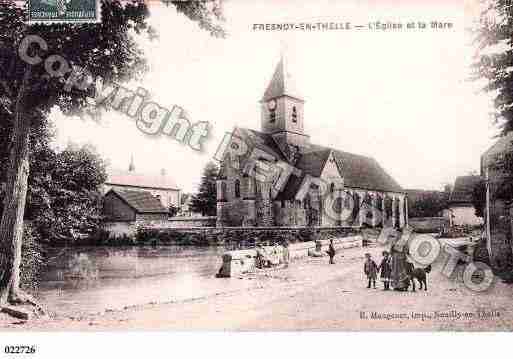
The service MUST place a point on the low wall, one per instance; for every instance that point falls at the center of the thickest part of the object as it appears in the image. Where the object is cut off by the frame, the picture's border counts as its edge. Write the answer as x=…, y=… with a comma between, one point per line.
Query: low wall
x=244, y=261
x=240, y=237
x=120, y=229
x=188, y=222
x=428, y=224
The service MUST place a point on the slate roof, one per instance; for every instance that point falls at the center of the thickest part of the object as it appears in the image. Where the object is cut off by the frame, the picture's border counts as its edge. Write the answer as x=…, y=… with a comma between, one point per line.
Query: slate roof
x=282, y=84
x=134, y=179
x=140, y=201
x=463, y=188
x=358, y=171
x=503, y=145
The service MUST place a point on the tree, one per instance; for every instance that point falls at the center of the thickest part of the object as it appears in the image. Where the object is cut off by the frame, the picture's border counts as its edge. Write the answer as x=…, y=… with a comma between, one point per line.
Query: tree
x=495, y=58
x=479, y=198
x=428, y=203
x=29, y=90
x=205, y=202
x=65, y=199
x=494, y=65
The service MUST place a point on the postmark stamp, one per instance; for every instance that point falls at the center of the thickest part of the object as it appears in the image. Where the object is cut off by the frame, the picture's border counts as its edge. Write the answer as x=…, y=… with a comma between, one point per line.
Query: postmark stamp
x=63, y=11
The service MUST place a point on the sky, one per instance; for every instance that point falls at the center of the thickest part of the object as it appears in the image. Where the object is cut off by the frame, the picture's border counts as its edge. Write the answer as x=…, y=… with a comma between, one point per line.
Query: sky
x=402, y=97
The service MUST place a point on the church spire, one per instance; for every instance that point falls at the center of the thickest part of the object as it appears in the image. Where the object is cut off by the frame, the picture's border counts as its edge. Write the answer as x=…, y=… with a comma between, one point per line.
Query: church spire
x=131, y=167
x=282, y=83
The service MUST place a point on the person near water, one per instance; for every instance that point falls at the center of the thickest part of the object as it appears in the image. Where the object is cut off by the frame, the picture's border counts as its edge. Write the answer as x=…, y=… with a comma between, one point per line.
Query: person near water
x=385, y=270
x=331, y=251
x=286, y=253
x=399, y=255
x=370, y=269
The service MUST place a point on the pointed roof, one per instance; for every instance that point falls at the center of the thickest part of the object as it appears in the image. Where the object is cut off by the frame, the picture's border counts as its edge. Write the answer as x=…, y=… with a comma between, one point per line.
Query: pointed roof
x=463, y=188
x=140, y=180
x=358, y=171
x=282, y=84
x=131, y=166
x=140, y=201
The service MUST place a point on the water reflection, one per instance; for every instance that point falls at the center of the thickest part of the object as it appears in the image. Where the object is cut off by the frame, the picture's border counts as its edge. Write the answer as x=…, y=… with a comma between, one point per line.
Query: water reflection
x=92, y=279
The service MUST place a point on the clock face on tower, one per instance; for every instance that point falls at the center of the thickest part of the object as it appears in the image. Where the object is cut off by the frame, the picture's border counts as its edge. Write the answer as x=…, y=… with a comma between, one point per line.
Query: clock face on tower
x=271, y=105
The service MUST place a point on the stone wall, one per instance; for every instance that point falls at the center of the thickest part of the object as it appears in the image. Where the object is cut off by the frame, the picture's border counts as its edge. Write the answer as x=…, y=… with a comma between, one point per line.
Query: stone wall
x=428, y=224
x=187, y=222
x=240, y=237
x=244, y=261
x=117, y=229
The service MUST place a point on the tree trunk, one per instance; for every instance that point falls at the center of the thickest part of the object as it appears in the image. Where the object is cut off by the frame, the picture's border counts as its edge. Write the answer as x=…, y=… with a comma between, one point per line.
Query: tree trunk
x=11, y=225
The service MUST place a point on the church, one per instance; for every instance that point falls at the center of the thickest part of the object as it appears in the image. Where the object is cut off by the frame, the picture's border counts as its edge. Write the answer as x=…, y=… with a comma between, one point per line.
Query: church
x=326, y=187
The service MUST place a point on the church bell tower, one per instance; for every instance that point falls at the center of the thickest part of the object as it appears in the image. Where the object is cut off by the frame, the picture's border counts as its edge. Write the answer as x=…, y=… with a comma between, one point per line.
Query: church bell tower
x=282, y=113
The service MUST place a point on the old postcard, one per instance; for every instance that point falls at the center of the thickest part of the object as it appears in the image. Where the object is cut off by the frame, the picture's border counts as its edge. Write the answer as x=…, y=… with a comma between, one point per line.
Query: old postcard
x=255, y=166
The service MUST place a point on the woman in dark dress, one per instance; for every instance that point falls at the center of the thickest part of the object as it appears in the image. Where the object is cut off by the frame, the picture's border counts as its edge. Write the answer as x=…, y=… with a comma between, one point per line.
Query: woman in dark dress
x=399, y=251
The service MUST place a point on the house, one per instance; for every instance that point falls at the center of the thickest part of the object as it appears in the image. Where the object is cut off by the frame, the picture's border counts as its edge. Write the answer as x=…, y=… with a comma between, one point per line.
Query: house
x=499, y=211
x=124, y=210
x=161, y=185
x=460, y=209
x=355, y=181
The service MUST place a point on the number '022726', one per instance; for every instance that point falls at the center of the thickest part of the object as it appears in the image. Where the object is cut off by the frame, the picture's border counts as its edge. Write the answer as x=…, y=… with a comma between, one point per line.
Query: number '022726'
x=20, y=349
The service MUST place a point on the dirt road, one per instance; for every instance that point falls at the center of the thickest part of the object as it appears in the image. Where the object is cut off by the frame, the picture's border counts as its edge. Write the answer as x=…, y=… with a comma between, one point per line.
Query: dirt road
x=311, y=295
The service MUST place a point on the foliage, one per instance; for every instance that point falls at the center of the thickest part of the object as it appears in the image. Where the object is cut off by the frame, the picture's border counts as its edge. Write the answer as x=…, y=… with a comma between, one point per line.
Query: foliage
x=205, y=201
x=65, y=199
x=64, y=195
x=494, y=39
x=479, y=198
x=428, y=204
x=28, y=92
x=32, y=258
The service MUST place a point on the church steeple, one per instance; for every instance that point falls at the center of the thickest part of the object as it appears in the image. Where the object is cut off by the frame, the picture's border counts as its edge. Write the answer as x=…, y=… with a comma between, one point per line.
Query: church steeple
x=282, y=111
x=131, y=166
x=282, y=84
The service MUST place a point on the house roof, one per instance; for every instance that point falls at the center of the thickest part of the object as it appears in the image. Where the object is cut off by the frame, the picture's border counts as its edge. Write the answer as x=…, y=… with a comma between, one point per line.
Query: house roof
x=134, y=179
x=140, y=201
x=358, y=171
x=503, y=145
x=282, y=84
x=463, y=188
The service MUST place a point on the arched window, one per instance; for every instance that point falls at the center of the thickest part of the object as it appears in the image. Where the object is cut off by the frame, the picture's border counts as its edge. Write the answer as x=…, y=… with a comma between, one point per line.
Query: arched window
x=223, y=190
x=237, y=188
x=282, y=204
x=332, y=187
x=294, y=114
x=272, y=115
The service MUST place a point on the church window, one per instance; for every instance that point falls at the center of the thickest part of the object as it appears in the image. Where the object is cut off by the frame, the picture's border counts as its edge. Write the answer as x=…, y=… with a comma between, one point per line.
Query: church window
x=332, y=188
x=272, y=115
x=237, y=188
x=282, y=204
x=294, y=114
x=223, y=190
x=306, y=203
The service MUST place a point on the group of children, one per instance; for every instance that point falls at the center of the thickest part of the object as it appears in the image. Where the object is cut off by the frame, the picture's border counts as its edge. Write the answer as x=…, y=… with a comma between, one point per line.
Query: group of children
x=371, y=270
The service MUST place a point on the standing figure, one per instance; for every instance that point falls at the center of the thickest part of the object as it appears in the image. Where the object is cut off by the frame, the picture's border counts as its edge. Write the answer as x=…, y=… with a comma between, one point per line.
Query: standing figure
x=386, y=270
x=286, y=253
x=371, y=270
x=399, y=252
x=331, y=251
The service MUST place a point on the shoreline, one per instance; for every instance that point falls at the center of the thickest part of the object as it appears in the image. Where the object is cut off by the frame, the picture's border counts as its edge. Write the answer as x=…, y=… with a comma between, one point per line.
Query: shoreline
x=308, y=295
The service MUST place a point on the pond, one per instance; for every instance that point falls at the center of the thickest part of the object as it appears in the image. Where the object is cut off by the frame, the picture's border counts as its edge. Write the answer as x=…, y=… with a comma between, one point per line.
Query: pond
x=92, y=279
